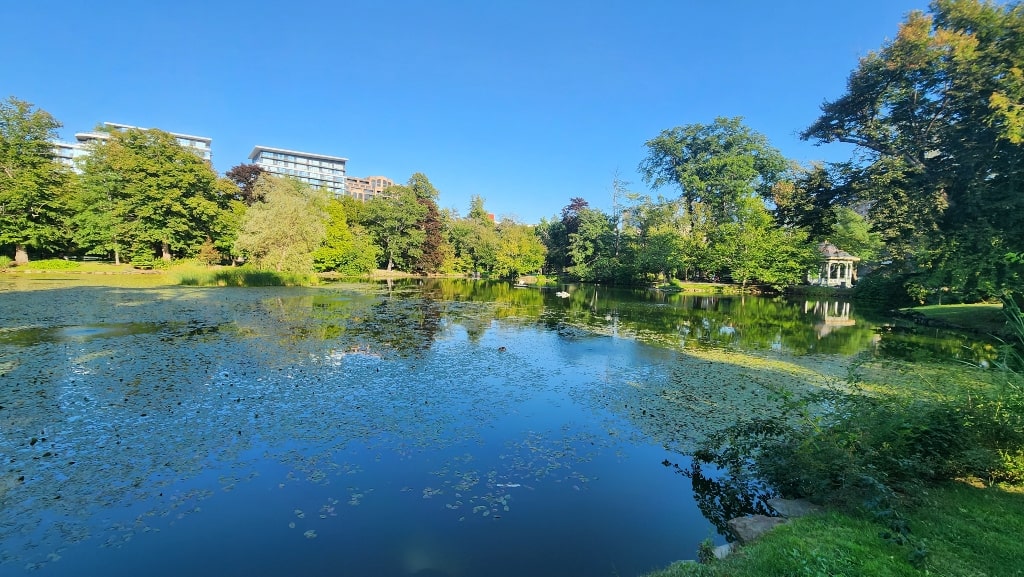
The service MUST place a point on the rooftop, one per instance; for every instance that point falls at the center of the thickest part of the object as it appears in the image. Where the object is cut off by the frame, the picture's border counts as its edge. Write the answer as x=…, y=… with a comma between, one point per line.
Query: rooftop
x=257, y=149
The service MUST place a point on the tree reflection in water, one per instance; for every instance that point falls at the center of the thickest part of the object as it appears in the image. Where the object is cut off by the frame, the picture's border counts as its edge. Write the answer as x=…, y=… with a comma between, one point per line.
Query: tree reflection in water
x=721, y=496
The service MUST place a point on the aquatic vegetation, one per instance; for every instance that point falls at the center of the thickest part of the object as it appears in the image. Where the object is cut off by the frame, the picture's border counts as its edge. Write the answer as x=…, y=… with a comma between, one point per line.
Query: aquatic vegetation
x=323, y=410
x=242, y=277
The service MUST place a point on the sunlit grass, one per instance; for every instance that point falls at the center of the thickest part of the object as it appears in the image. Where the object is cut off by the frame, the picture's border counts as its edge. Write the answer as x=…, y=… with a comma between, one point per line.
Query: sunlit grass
x=700, y=287
x=966, y=530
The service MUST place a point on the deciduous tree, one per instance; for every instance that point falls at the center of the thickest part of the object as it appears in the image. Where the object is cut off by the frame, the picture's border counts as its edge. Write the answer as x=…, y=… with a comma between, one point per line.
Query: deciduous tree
x=392, y=219
x=282, y=232
x=936, y=114
x=33, y=186
x=143, y=190
x=245, y=177
x=715, y=164
x=519, y=251
x=346, y=249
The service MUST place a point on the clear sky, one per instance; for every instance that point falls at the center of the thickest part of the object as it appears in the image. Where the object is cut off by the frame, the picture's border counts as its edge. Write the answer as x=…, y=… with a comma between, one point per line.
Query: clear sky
x=527, y=103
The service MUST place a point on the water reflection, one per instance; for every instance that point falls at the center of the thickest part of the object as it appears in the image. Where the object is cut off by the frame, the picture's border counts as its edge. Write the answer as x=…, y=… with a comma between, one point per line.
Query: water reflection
x=303, y=430
x=794, y=326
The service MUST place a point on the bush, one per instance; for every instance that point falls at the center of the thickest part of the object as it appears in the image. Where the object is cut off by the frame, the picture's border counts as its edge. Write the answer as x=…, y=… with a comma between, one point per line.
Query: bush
x=208, y=254
x=885, y=288
x=51, y=264
x=5, y=262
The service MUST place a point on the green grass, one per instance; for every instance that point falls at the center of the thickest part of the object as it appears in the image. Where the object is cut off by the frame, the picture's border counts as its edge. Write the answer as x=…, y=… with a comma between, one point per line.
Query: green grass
x=51, y=264
x=962, y=530
x=240, y=277
x=987, y=318
x=701, y=287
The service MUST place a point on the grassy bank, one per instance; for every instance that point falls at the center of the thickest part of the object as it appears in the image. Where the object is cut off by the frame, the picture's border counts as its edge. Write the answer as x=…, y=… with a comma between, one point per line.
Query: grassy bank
x=921, y=467
x=960, y=529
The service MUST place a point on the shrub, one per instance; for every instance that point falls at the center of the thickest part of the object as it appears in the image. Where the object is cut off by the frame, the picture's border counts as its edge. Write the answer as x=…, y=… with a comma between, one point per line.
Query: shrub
x=51, y=264
x=5, y=262
x=884, y=288
x=208, y=254
x=142, y=260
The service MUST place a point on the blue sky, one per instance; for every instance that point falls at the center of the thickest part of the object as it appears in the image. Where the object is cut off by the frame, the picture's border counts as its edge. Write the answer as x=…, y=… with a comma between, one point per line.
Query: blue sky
x=526, y=103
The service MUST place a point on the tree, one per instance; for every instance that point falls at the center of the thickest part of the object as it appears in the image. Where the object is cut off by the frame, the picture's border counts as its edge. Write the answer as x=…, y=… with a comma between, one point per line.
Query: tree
x=852, y=233
x=346, y=249
x=392, y=219
x=143, y=190
x=518, y=251
x=592, y=247
x=225, y=230
x=937, y=114
x=282, y=232
x=431, y=255
x=477, y=212
x=245, y=177
x=474, y=241
x=555, y=234
x=810, y=198
x=752, y=249
x=33, y=186
x=655, y=239
x=716, y=164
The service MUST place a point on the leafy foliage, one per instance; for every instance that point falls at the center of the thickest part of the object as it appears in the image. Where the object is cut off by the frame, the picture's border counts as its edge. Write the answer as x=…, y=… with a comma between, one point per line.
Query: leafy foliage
x=393, y=220
x=937, y=113
x=347, y=250
x=714, y=164
x=51, y=264
x=245, y=177
x=142, y=190
x=281, y=233
x=519, y=251
x=33, y=186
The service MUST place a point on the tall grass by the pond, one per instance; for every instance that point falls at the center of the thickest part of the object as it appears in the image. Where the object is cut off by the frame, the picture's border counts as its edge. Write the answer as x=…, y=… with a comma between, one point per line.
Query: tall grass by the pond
x=242, y=277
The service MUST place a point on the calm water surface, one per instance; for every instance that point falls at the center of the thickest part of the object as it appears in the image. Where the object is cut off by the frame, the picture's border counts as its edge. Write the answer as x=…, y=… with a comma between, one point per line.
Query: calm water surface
x=440, y=428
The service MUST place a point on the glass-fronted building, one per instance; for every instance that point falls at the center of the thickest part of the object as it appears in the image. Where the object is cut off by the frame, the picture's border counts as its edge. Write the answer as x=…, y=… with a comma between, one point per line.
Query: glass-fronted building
x=317, y=170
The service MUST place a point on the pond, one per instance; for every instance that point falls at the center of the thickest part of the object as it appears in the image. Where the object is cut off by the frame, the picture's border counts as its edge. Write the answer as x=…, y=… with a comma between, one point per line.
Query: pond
x=434, y=427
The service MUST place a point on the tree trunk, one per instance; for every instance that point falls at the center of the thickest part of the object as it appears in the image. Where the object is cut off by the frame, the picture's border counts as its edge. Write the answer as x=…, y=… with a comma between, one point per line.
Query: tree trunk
x=117, y=256
x=20, y=254
x=390, y=263
x=166, y=248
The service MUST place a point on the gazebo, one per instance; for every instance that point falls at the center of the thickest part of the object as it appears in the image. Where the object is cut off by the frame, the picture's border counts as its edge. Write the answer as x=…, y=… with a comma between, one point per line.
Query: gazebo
x=838, y=267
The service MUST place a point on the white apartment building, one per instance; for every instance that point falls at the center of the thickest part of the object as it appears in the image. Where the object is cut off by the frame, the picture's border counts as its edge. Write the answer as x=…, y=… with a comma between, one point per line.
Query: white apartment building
x=68, y=152
x=317, y=170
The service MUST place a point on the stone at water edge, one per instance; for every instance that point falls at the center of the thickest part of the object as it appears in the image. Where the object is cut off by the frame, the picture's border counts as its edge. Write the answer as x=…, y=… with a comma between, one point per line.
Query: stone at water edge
x=794, y=507
x=749, y=528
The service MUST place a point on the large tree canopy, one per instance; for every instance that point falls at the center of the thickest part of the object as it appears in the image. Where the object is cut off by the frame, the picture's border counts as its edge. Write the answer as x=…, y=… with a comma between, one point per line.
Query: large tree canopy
x=939, y=114
x=282, y=232
x=715, y=164
x=143, y=190
x=33, y=185
x=393, y=220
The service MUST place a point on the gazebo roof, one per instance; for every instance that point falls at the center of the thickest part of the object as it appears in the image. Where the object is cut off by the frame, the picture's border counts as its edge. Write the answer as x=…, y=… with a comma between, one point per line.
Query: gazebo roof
x=833, y=252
